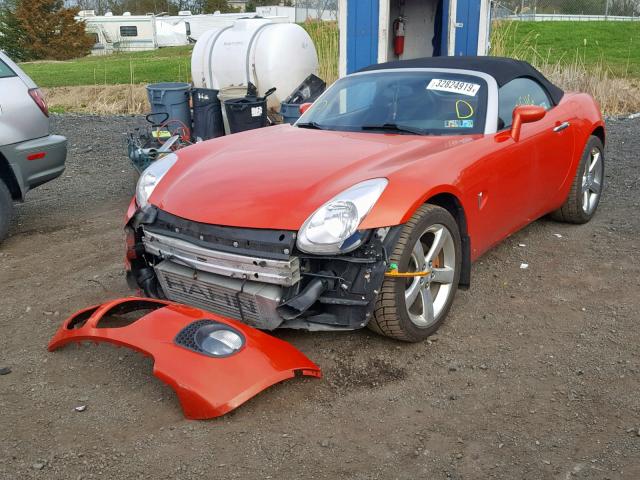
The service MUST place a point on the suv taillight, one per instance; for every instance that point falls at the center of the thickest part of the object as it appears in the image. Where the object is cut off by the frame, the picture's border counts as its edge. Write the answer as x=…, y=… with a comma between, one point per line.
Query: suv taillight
x=37, y=97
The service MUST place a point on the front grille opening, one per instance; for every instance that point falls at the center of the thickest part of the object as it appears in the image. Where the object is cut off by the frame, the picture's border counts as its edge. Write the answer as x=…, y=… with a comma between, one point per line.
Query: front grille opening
x=126, y=313
x=81, y=318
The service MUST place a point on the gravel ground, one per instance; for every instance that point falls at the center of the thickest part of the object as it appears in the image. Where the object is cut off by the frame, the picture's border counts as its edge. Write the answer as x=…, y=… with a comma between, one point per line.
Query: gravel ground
x=535, y=375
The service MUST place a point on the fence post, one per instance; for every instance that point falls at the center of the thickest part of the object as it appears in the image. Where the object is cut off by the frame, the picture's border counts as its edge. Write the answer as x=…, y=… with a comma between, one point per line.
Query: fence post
x=606, y=9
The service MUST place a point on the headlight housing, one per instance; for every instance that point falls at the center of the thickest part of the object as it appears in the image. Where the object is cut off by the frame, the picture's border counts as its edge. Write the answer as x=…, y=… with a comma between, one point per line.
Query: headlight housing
x=330, y=227
x=151, y=176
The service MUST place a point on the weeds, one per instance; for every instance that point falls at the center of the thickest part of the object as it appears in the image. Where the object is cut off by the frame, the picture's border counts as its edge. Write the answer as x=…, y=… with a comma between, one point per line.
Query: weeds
x=616, y=94
x=325, y=37
x=98, y=99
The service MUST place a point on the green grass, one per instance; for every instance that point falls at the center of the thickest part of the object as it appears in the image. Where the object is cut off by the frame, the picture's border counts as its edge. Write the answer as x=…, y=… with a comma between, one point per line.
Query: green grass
x=614, y=44
x=171, y=64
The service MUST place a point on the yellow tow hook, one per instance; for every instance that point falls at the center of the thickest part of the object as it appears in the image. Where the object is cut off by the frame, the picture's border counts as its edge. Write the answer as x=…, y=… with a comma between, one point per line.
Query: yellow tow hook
x=394, y=273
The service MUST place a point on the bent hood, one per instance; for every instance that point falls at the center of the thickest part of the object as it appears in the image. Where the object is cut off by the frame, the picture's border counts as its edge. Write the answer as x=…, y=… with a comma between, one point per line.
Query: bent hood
x=276, y=177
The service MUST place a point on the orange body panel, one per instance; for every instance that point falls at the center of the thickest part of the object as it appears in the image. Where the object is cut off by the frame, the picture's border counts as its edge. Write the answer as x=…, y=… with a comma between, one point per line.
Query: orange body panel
x=276, y=177
x=207, y=387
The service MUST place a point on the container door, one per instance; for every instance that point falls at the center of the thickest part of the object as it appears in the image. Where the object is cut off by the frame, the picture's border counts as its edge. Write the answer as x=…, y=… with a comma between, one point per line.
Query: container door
x=362, y=34
x=467, y=27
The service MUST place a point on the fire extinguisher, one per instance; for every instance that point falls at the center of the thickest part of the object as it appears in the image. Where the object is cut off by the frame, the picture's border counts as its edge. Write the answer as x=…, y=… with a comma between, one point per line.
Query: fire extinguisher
x=398, y=35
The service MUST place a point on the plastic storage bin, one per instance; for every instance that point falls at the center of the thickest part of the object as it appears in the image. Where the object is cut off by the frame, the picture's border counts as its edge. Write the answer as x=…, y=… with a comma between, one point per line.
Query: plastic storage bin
x=207, y=114
x=307, y=91
x=246, y=113
x=290, y=112
x=171, y=98
x=230, y=93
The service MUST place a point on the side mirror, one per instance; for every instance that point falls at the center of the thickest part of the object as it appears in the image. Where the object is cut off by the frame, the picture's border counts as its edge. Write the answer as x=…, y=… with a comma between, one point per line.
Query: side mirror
x=525, y=114
x=304, y=107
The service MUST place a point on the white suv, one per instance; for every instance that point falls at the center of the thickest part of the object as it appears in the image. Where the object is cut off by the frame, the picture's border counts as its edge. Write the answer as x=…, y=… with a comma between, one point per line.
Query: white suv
x=29, y=154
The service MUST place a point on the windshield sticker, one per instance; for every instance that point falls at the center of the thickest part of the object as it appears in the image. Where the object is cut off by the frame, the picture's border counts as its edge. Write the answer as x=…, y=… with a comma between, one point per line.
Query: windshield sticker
x=458, y=124
x=454, y=86
x=464, y=109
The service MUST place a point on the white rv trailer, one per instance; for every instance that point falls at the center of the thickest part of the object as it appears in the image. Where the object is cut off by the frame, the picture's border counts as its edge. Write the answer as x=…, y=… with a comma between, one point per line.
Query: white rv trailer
x=129, y=33
x=126, y=33
x=298, y=14
x=196, y=25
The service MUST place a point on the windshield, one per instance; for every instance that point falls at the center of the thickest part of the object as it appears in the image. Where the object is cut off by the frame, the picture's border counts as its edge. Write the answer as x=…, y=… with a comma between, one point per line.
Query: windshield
x=395, y=101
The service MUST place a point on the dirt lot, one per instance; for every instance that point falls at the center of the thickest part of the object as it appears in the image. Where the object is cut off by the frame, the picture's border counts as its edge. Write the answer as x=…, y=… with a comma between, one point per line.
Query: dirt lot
x=535, y=375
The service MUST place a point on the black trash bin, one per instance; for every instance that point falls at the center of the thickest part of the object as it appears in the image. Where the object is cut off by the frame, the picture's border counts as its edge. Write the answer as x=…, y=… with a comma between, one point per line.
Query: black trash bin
x=207, y=114
x=307, y=92
x=246, y=113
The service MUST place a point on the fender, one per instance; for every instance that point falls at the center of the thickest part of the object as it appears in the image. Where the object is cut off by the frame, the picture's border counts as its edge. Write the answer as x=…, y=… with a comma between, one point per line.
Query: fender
x=449, y=197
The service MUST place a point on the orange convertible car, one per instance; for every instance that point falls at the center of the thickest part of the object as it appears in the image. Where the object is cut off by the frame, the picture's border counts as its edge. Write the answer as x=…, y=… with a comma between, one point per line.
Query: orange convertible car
x=370, y=209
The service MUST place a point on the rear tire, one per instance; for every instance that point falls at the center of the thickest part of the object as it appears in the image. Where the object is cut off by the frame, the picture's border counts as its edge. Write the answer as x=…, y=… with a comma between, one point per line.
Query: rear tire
x=586, y=189
x=6, y=210
x=411, y=309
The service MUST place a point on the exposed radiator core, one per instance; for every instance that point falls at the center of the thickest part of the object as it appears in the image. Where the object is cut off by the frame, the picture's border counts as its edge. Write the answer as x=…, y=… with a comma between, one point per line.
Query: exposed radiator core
x=251, y=302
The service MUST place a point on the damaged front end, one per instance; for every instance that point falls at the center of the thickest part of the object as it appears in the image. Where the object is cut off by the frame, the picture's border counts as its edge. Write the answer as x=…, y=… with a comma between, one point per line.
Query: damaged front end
x=257, y=276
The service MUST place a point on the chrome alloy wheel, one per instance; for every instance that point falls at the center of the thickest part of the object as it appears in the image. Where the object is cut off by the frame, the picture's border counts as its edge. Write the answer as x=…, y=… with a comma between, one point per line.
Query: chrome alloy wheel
x=426, y=297
x=592, y=181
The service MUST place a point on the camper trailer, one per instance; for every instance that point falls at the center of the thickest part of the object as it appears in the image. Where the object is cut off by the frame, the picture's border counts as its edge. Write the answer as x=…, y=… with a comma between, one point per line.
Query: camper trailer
x=196, y=25
x=121, y=33
x=130, y=33
x=298, y=14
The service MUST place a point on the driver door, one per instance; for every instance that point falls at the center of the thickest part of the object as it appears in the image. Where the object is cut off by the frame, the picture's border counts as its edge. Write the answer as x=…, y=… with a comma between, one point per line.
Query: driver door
x=548, y=143
x=505, y=192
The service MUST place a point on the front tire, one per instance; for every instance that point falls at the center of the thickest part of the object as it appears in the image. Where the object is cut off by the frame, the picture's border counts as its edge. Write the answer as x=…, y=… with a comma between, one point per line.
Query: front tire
x=411, y=309
x=6, y=210
x=586, y=188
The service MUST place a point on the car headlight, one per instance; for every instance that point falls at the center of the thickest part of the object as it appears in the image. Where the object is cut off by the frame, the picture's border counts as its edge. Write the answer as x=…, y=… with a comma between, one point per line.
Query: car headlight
x=329, y=227
x=151, y=176
x=218, y=340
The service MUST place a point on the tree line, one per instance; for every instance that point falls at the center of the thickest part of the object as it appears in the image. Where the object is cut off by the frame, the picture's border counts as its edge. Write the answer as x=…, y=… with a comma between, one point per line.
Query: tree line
x=42, y=29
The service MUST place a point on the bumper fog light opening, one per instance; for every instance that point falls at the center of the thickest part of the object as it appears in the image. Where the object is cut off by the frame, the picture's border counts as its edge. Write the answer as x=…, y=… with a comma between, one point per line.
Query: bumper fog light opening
x=218, y=340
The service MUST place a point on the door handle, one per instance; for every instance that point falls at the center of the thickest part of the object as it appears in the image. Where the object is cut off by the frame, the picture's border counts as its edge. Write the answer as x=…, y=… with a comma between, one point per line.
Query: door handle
x=561, y=127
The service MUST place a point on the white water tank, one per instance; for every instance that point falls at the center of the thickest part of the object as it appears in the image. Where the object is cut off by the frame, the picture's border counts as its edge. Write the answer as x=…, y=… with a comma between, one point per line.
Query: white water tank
x=258, y=50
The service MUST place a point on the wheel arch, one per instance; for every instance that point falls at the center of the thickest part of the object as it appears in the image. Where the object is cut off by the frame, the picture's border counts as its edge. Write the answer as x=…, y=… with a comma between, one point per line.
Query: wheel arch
x=9, y=178
x=600, y=133
x=453, y=205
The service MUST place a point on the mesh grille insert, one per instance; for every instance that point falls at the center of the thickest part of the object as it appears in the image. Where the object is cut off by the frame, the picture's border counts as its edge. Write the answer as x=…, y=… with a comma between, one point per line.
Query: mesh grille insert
x=186, y=336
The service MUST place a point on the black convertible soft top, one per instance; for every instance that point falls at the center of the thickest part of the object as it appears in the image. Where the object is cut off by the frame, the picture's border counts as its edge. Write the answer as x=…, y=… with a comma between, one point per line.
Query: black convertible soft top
x=502, y=69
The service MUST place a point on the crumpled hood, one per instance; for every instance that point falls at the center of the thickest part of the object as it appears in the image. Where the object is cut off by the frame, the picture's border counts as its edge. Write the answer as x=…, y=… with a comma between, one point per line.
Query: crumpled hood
x=276, y=177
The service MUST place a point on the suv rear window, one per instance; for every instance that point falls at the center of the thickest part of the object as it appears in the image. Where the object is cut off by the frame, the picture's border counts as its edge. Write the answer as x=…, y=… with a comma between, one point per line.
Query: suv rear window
x=5, y=71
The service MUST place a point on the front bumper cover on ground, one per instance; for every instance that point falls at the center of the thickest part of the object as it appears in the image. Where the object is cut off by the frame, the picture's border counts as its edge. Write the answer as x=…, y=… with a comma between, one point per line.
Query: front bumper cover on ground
x=206, y=386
